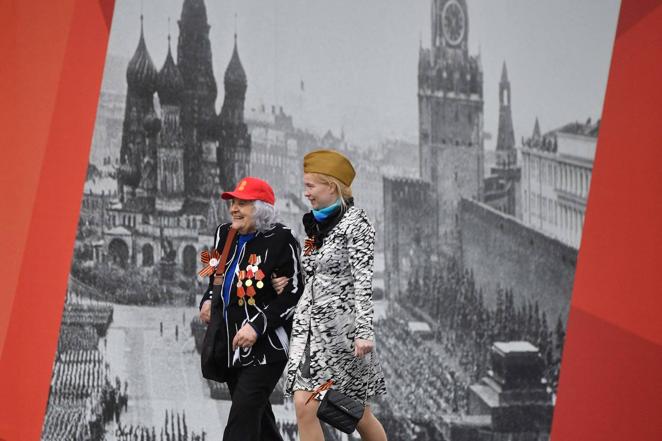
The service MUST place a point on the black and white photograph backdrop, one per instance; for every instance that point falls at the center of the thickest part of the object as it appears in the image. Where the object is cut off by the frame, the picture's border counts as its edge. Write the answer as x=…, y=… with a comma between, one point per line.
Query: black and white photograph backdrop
x=472, y=125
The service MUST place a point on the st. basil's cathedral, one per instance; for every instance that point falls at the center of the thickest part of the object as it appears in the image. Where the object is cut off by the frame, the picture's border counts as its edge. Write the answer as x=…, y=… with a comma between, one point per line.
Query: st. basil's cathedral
x=174, y=163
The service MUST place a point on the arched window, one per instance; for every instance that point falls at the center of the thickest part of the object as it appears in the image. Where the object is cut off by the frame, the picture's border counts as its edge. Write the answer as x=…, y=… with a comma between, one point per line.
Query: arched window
x=148, y=255
x=189, y=260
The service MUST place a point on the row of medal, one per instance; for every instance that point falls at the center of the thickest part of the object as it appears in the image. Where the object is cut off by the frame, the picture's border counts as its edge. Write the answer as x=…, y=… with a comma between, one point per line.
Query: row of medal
x=245, y=284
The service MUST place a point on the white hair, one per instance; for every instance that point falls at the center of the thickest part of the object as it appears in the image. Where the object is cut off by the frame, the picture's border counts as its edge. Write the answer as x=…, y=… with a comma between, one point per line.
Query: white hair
x=264, y=216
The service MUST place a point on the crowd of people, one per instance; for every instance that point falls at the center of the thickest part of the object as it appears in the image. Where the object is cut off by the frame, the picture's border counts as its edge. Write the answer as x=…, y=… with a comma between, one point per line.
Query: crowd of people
x=104, y=281
x=82, y=398
x=467, y=327
x=174, y=429
x=422, y=385
x=76, y=338
x=288, y=430
x=90, y=316
x=430, y=378
x=66, y=420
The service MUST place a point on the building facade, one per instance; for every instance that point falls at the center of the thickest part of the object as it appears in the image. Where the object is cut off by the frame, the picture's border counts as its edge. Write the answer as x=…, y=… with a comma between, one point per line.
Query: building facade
x=410, y=230
x=556, y=177
x=275, y=150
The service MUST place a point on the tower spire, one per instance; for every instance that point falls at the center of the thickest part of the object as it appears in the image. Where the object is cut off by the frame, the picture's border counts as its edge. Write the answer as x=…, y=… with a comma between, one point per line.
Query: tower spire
x=506, y=136
x=504, y=72
x=536, y=129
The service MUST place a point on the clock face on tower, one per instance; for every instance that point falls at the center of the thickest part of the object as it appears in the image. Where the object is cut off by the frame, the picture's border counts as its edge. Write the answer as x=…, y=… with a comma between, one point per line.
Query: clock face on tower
x=453, y=22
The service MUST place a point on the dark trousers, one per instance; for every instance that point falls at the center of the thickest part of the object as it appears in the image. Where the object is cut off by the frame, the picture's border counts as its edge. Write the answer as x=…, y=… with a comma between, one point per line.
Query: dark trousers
x=251, y=417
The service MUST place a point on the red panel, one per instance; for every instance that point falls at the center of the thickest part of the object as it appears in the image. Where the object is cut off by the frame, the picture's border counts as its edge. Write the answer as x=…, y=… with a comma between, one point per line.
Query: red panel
x=33, y=39
x=610, y=385
x=27, y=357
x=618, y=276
x=631, y=12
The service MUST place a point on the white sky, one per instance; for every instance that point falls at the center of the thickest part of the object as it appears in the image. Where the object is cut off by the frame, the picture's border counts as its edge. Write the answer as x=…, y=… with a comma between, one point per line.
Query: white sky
x=358, y=58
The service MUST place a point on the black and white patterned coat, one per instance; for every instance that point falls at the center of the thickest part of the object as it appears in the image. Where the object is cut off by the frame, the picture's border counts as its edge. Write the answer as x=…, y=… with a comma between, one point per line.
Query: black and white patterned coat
x=335, y=308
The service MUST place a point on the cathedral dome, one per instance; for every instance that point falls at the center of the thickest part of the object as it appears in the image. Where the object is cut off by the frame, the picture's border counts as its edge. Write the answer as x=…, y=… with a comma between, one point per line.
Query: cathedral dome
x=129, y=174
x=141, y=74
x=152, y=124
x=235, y=76
x=170, y=84
x=194, y=12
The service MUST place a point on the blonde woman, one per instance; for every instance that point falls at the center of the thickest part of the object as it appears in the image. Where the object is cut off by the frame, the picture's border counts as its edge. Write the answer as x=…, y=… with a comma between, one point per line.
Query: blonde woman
x=333, y=330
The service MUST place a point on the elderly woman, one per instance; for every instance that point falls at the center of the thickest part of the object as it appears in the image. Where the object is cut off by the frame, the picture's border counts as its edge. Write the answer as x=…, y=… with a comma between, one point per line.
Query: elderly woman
x=249, y=324
x=333, y=329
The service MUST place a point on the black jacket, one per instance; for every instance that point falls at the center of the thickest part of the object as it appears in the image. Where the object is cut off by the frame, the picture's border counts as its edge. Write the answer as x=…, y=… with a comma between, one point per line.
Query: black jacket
x=272, y=313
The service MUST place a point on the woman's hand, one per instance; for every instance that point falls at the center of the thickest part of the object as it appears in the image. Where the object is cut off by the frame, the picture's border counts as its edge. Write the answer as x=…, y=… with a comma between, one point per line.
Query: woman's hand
x=245, y=338
x=362, y=347
x=205, y=311
x=279, y=283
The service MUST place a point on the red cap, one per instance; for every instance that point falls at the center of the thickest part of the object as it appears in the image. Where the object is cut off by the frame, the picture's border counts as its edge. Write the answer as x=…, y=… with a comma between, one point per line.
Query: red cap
x=252, y=189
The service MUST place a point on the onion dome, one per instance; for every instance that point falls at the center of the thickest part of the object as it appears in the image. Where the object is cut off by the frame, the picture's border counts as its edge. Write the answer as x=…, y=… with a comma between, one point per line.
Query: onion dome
x=152, y=124
x=170, y=84
x=129, y=174
x=141, y=74
x=194, y=12
x=235, y=76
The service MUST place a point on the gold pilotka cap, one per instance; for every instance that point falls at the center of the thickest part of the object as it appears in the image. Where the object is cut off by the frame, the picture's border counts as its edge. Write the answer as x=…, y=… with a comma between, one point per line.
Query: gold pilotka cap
x=330, y=163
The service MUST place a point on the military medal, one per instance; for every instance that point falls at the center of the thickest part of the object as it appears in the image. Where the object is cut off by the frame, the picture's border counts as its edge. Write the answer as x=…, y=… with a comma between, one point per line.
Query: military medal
x=246, y=286
x=240, y=288
x=210, y=260
x=259, y=276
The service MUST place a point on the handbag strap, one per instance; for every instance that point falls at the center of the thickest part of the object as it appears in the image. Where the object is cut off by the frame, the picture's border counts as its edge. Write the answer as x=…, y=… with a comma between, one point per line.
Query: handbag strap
x=220, y=269
x=365, y=398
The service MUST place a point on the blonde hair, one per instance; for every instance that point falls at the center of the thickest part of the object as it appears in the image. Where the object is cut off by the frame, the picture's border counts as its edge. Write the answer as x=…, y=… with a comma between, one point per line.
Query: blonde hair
x=342, y=190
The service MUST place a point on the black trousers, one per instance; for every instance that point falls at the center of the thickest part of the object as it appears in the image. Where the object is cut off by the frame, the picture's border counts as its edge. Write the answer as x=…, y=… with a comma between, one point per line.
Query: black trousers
x=251, y=417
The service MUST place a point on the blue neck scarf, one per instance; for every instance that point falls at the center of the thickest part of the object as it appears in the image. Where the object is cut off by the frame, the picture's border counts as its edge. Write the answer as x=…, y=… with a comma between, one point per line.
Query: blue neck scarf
x=326, y=212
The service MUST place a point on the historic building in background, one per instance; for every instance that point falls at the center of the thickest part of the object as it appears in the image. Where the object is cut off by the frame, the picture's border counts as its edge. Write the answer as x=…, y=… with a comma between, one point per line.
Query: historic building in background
x=502, y=187
x=234, y=141
x=450, y=108
x=451, y=156
x=557, y=169
x=175, y=163
x=454, y=213
x=275, y=150
x=276, y=153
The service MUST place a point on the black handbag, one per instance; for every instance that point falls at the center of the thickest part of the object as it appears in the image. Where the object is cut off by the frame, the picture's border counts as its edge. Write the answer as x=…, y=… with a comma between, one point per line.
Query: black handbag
x=341, y=411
